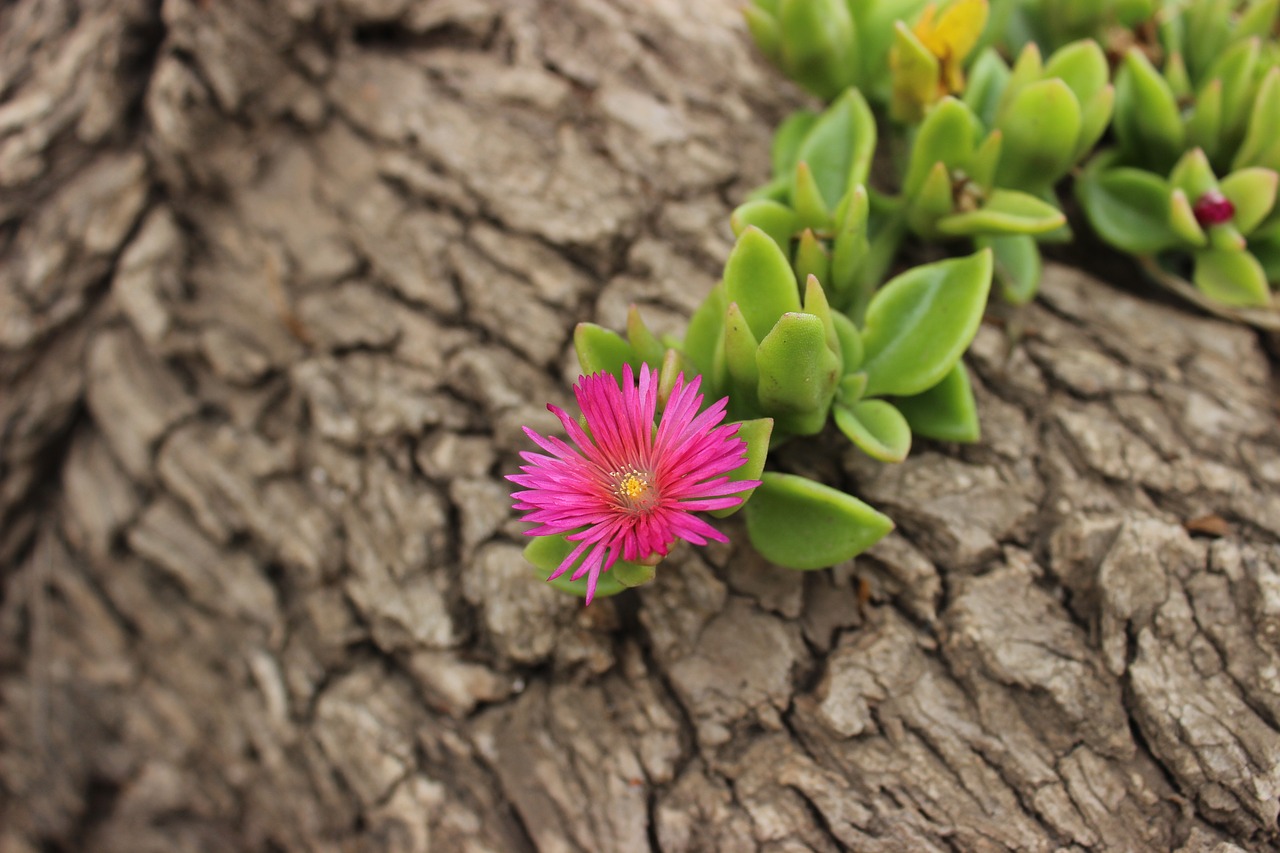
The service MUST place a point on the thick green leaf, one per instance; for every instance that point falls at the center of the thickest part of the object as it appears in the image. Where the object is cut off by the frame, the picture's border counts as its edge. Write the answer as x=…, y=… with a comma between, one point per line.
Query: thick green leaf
x=674, y=366
x=1004, y=212
x=602, y=350
x=946, y=136
x=646, y=344
x=756, y=434
x=915, y=71
x=784, y=152
x=876, y=428
x=815, y=303
x=920, y=323
x=1253, y=192
x=797, y=523
x=1232, y=278
x=1082, y=65
x=1261, y=145
x=1236, y=69
x=705, y=336
x=758, y=277
x=740, y=358
x=812, y=258
x=547, y=552
x=798, y=371
x=851, y=351
x=1095, y=116
x=806, y=198
x=1193, y=175
x=818, y=41
x=1129, y=208
x=840, y=145
x=932, y=202
x=764, y=29
x=1204, y=124
x=849, y=251
x=985, y=161
x=987, y=79
x=947, y=411
x=773, y=218
x=1017, y=265
x=1182, y=219
x=1040, y=129
x=1147, y=121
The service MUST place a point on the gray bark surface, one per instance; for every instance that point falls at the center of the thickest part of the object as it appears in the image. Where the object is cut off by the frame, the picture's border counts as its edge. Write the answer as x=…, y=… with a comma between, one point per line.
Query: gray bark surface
x=279, y=284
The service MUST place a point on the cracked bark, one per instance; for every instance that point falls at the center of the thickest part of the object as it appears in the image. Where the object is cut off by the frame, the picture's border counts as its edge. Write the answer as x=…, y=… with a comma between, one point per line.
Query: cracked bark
x=282, y=282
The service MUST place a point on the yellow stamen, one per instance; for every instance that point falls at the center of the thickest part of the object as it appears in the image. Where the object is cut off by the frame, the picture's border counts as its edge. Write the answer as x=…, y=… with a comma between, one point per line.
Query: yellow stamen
x=633, y=489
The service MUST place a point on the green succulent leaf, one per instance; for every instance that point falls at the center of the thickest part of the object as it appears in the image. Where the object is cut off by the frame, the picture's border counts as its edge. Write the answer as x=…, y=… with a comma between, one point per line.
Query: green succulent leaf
x=818, y=38
x=798, y=370
x=1231, y=277
x=602, y=350
x=1082, y=66
x=1095, y=116
x=1193, y=175
x=1017, y=265
x=812, y=258
x=920, y=323
x=1204, y=124
x=759, y=278
x=647, y=346
x=946, y=136
x=1261, y=145
x=1253, y=193
x=987, y=80
x=797, y=523
x=756, y=434
x=1236, y=68
x=851, y=349
x=765, y=31
x=840, y=145
x=785, y=151
x=933, y=201
x=1129, y=208
x=1040, y=129
x=547, y=552
x=1147, y=121
x=876, y=428
x=704, y=341
x=740, y=359
x=773, y=218
x=946, y=412
x=850, y=248
x=1182, y=219
x=1005, y=212
x=806, y=197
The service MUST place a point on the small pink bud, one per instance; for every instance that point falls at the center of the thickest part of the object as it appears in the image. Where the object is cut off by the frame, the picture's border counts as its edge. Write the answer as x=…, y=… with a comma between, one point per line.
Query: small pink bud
x=1213, y=208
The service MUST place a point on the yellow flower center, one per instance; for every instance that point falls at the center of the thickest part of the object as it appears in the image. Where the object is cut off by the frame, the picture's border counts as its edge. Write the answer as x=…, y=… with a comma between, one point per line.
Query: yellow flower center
x=634, y=491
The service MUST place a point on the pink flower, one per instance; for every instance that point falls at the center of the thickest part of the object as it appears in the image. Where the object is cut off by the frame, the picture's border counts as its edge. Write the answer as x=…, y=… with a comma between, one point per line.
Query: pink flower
x=629, y=491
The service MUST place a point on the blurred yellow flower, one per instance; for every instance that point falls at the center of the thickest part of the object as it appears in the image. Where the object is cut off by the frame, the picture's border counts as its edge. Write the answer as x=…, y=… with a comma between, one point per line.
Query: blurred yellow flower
x=926, y=61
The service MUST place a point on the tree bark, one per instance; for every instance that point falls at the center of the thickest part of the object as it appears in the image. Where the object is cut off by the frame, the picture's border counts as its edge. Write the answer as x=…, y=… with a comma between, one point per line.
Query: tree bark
x=281, y=283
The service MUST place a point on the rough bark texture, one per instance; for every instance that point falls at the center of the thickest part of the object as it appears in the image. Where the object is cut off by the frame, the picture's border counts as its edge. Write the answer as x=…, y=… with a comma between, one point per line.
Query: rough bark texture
x=281, y=281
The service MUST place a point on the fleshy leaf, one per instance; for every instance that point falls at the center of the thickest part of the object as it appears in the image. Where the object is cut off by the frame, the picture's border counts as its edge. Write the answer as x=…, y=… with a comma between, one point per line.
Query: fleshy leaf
x=812, y=258
x=603, y=350
x=740, y=359
x=876, y=428
x=547, y=552
x=946, y=412
x=646, y=344
x=840, y=145
x=784, y=152
x=773, y=218
x=797, y=523
x=850, y=248
x=851, y=350
x=946, y=136
x=756, y=434
x=920, y=323
x=1005, y=212
x=798, y=371
x=1261, y=145
x=1231, y=277
x=1147, y=120
x=1017, y=265
x=1129, y=208
x=758, y=277
x=817, y=44
x=806, y=198
x=1182, y=219
x=1040, y=129
x=704, y=341
x=1253, y=193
